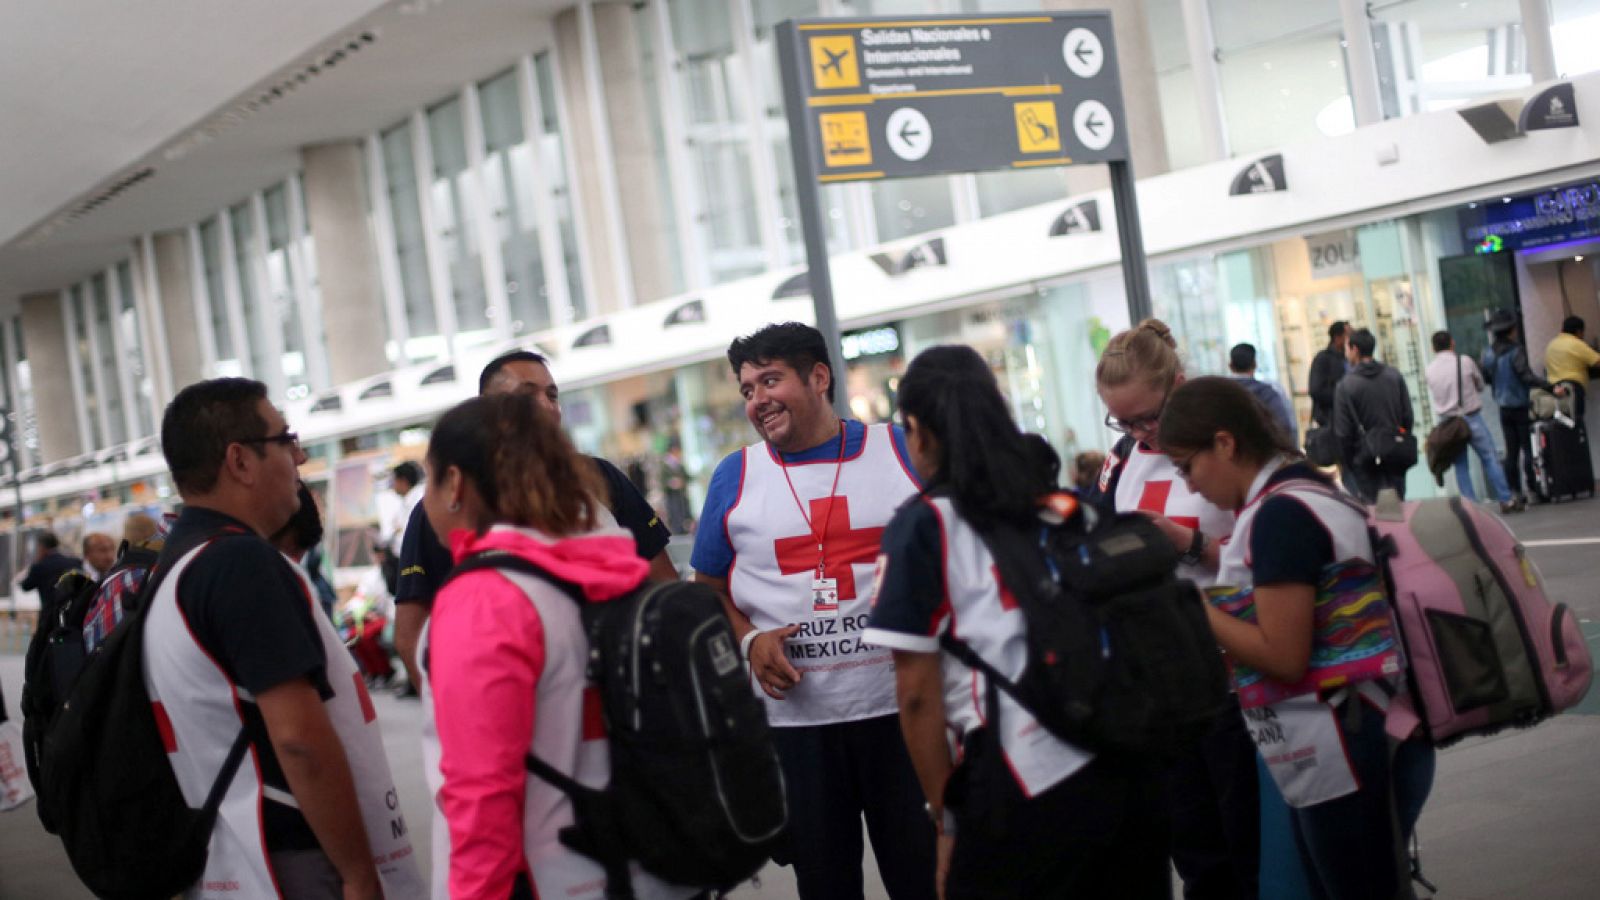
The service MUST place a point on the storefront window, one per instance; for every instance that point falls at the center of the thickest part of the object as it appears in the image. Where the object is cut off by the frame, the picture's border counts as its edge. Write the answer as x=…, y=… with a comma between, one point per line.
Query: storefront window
x=1282, y=71
x=255, y=316
x=133, y=367
x=227, y=362
x=1440, y=54
x=1188, y=297
x=110, y=377
x=508, y=181
x=400, y=181
x=447, y=195
x=283, y=307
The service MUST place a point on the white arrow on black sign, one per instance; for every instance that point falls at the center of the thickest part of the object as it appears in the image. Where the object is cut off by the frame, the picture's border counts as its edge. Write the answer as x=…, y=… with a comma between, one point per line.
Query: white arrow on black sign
x=908, y=133
x=1083, y=53
x=1092, y=122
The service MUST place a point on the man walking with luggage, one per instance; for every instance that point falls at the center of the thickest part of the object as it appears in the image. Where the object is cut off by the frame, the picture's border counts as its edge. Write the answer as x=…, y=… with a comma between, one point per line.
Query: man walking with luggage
x=1570, y=361
x=1454, y=383
x=1505, y=363
x=789, y=536
x=1328, y=368
x=1373, y=420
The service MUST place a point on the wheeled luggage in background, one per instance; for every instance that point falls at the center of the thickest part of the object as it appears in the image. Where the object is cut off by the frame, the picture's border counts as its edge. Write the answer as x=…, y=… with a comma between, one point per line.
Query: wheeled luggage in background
x=1561, y=466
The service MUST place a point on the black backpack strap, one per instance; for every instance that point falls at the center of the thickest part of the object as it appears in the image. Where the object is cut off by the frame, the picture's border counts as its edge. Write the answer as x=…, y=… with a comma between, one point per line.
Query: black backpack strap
x=219, y=788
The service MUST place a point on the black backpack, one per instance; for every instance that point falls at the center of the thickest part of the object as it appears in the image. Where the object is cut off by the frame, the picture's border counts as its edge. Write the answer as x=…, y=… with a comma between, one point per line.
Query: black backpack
x=99, y=763
x=696, y=795
x=1121, y=659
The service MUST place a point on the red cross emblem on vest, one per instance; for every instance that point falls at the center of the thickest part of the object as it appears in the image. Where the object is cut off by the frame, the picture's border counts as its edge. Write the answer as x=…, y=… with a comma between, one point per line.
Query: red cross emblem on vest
x=842, y=545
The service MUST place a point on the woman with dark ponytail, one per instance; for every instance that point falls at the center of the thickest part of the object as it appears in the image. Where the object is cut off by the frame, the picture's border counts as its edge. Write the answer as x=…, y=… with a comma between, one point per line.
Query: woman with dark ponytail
x=1020, y=813
x=506, y=652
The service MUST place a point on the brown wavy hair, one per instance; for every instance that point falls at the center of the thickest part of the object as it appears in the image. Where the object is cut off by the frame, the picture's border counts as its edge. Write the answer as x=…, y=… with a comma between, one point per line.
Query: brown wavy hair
x=523, y=467
x=1146, y=352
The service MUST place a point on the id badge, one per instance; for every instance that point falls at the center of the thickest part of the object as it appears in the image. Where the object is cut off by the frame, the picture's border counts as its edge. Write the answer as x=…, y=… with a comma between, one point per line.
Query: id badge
x=824, y=598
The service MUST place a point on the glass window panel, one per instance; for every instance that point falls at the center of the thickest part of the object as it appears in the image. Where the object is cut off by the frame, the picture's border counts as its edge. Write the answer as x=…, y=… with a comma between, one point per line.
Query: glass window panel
x=1575, y=31
x=283, y=303
x=446, y=192
x=1282, y=71
x=244, y=236
x=217, y=298
x=133, y=366
x=1003, y=191
x=110, y=376
x=1440, y=54
x=28, y=422
x=907, y=206
x=1180, y=116
x=553, y=166
x=95, y=439
x=665, y=187
x=509, y=189
x=400, y=182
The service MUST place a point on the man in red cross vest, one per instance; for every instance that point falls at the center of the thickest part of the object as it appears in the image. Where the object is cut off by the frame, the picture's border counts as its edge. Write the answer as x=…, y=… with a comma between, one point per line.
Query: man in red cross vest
x=789, y=536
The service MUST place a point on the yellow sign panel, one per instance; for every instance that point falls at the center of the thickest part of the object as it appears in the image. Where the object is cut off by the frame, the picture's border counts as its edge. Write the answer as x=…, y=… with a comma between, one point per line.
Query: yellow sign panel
x=1037, y=131
x=845, y=141
x=833, y=62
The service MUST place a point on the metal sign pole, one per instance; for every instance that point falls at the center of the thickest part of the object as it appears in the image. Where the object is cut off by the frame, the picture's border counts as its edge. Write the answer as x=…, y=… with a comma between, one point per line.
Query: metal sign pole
x=819, y=277
x=1130, y=238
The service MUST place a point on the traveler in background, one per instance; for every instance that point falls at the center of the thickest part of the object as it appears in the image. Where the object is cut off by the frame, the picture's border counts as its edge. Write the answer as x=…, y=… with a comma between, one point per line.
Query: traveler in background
x=49, y=564
x=99, y=554
x=1505, y=364
x=231, y=642
x=1453, y=385
x=406, y=479
x=139, y=528
x=1028, y=815
x=1214, y=789
x=145, y=537
x=1295, y=531
x=1372, y=402
x=1328, y=367
x=1242, y=363
x=1570, y=361
x=1085, y=469
x=803, y=512
x=425, y=562
x=362, y=618
x=507, y=652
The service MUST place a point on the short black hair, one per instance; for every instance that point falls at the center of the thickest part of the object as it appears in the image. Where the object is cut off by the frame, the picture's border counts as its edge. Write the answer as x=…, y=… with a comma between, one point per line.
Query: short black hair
x=409, y=472
x=49, y=541
x=1572, y=325
x=202, y=421
x=1337, y=328
x=506, y=359
x=304, y=528
x=1441, y=341
x=796, y=344
x=1364, y=342
x=1242, y=358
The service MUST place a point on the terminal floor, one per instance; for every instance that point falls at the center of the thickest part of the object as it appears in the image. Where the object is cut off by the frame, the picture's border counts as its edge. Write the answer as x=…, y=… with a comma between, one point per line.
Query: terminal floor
x=1512, y=816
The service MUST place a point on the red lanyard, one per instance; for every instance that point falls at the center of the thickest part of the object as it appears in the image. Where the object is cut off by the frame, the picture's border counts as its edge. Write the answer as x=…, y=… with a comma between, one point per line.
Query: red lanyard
x=832, y=492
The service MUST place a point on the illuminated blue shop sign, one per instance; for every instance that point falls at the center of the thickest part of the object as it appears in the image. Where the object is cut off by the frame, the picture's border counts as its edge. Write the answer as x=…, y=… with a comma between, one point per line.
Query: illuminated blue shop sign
x=1556, y=216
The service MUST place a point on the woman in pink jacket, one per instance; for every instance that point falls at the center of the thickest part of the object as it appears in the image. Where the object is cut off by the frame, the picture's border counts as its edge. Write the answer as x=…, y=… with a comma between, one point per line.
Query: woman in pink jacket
x=505, y=652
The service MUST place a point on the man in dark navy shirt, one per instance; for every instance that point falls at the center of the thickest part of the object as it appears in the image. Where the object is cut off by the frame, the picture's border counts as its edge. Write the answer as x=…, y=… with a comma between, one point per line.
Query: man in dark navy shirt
x=424, y=559
x=48, y=567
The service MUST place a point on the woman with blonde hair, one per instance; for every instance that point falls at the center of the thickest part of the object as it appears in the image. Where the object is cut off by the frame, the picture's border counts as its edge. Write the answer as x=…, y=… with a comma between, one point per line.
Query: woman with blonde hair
x=505, y=652
x=1213, y=791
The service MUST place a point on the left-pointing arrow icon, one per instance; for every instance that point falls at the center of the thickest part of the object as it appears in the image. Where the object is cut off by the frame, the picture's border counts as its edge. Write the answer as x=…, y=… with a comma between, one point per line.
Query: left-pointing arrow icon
x=1083, y=53
x=908, y=133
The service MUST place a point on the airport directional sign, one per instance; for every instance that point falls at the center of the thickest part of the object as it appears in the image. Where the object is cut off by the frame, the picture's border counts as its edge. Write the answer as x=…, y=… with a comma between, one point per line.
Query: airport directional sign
x=893, y=97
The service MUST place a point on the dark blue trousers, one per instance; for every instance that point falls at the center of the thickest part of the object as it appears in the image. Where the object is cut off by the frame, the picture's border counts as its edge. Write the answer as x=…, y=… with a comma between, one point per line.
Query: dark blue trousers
x=835, y=775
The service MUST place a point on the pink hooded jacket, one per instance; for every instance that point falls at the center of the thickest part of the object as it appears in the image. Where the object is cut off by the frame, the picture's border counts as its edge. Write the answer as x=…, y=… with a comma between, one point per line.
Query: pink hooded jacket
x=487, y=653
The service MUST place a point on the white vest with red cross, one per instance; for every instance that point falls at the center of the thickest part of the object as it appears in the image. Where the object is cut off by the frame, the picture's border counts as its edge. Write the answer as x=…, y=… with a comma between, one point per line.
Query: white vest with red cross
x=198, y=708
x=1151, y=483
x=776, y=560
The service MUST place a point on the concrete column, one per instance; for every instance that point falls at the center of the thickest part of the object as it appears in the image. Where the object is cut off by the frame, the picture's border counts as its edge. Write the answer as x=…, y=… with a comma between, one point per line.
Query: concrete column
x=1361, y=61
x=615, y=158
x=44, y=332
x=1202, y=43
x=1141, y=94
x=1541, y=45
x=347, y=262
x=176, y=276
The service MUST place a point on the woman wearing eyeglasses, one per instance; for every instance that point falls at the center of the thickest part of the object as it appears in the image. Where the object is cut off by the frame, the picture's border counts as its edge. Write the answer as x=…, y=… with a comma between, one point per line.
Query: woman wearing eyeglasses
x=1213, y=791
x=1310, y=636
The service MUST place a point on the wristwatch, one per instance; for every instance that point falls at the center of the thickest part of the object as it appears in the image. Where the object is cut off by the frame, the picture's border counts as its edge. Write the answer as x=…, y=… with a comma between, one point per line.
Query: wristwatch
x=1196, y=551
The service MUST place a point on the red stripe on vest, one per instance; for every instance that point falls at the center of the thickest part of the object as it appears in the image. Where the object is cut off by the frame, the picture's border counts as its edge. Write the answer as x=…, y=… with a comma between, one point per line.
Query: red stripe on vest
x=594, y=715
x=169, y=738
x=367, y=712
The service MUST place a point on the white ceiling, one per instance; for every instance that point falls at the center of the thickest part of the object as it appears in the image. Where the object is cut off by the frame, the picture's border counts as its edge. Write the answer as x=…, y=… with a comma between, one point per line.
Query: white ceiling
x=93, y=90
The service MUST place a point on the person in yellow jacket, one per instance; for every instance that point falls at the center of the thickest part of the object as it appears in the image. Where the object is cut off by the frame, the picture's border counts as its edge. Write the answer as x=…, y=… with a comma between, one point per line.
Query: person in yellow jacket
x=1569, y=359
